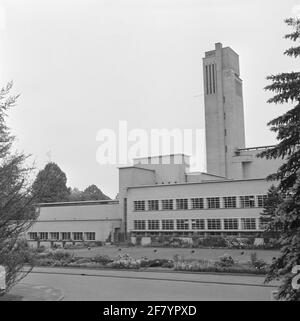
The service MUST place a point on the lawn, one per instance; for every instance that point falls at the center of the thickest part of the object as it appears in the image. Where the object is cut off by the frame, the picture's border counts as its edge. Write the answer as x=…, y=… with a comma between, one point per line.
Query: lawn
x=168, y=253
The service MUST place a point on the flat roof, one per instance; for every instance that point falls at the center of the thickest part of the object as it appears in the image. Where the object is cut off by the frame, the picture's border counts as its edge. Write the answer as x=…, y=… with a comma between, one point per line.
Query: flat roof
x=255, y=148
x=136, y=167
x=197, y=173
x=166, y=155
x=199, y=183
x=78, y=203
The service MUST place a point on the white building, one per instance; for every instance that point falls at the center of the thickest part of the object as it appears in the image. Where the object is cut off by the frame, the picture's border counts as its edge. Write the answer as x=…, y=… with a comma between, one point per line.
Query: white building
x=69, y=222
x=156, y=198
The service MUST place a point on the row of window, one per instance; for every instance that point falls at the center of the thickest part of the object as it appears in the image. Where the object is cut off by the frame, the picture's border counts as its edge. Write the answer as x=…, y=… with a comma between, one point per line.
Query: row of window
x=64, y=236
x=196, y=224
x=246, y=201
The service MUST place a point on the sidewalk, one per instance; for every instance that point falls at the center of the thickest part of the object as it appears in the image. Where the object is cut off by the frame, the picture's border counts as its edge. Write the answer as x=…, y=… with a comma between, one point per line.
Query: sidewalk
x=30, y=292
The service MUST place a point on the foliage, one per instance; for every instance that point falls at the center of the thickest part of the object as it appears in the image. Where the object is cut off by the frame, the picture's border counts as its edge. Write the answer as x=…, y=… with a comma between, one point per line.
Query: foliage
x=273, y=200
x=16, y=210
x=157, y=263
x=213, y=241
x=54, y=183
x=225, y=261
x=257, y=263
x=91, y=193
x=286, y=87
x=104, y=259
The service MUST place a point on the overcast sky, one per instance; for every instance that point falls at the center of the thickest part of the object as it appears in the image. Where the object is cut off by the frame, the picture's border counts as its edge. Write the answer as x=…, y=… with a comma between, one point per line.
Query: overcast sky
x=83, y=65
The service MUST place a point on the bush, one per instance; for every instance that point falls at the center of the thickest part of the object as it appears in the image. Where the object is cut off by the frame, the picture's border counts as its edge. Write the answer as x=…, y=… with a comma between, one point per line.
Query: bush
x=257, y=263
x=40, y=249
x=157, y=263
x=61, y=255
x=104, y=259
x=225, y=261
x=82, y=260
x=213, y=241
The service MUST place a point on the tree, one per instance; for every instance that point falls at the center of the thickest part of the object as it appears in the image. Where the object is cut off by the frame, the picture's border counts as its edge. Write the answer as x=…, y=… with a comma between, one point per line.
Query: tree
x=75, y=195
x=286, y=87
x=50, y=185
x=17, y=213
x=272, y=201
x=93, y=193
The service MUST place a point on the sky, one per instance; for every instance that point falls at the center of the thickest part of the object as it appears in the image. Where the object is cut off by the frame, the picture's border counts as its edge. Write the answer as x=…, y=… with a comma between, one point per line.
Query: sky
x=84, y=65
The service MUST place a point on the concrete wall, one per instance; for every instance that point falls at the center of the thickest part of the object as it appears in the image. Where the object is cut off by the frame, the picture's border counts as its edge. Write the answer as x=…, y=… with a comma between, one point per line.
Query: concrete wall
x=224, y=113
x=102, y=219
x=247, y=165
x=168, y=169
x=203, y=190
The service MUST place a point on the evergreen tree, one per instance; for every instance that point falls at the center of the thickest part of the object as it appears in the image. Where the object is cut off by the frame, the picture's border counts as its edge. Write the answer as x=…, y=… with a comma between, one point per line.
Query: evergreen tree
x=75, y=195
x=50, y=185
x=16, y=210
x=93, y=193
x=273, y=200
x=286, y=87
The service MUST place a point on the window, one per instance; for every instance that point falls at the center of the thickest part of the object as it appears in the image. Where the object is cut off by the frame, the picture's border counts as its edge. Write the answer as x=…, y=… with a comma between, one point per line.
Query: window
x=139, y=225
x=44, y=236
x=213, y=202
x=153, y=205
x=229, y=202
x=77, y=236
x=153, y=225
x=167, y=224
x=139, y=205
x=214, y=224
x=182, y=224
x=261, y=199
x=197, y=203
x=247, y=201
x=248, y=224
x=210, y=79
x=182, y=204
x=54, y=235
x=66, y=235
x=90, y=236
x=167, y=204
x=231, y=224
x=32, y=235
x=198, y=224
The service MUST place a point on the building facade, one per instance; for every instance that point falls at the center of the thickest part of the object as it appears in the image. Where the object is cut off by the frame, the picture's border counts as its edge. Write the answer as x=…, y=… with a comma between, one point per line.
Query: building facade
x=160, y=196
x=73, y=222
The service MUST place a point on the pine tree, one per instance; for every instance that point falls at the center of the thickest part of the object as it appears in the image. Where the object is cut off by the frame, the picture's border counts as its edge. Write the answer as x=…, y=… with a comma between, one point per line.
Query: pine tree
x=272, y=201
x=286, y=87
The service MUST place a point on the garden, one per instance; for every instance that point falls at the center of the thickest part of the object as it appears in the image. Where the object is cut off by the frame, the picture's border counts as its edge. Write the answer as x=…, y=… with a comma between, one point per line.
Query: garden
x=224, y=263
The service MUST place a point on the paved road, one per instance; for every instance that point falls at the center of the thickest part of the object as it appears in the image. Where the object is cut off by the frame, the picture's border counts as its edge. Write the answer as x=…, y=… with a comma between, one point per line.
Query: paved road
x=88, y=284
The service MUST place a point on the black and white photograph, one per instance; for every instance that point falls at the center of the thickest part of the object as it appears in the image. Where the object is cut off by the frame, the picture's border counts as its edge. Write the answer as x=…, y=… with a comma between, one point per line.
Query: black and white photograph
x=149, y=154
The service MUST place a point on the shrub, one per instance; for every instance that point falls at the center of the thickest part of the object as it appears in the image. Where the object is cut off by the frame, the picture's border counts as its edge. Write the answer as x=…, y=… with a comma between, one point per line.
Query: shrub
x=257, y=263
x=157, y=263
x=104, y=259
x=61, y=255
x=82, y=260
x=225, y=261
x=213, y=241
x=40, y=249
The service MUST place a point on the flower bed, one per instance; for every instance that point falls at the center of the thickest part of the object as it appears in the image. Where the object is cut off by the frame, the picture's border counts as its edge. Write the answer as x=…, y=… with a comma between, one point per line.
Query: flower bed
x=224, y=264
